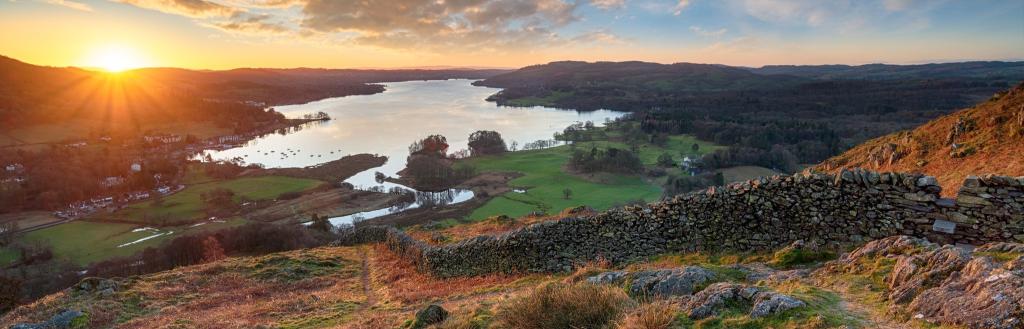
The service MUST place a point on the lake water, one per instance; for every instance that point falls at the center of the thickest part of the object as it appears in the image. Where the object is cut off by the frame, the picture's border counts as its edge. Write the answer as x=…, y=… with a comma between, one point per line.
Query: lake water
x=386, y=123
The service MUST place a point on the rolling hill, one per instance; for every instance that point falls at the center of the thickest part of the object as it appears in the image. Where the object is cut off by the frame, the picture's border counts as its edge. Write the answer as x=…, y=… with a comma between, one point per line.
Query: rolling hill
x=987, y=138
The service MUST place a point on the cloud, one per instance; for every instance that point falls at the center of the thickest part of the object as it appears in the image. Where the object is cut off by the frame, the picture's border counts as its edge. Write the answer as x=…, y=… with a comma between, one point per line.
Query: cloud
x=191, y=8
x=70, y=4
x=600, y=36
x=608, y=4
x=441, y=25
x=707, y=33
x=678, y=9
x=252, y=23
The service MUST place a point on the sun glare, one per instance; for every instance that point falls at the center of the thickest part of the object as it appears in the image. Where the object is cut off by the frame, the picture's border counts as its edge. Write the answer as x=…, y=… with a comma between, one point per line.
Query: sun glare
x=115, y=58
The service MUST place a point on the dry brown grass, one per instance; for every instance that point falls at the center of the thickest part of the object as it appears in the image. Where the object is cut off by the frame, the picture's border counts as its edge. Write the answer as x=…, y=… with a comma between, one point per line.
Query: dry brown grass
x=656, y=315
x=405, y=284
x=490, y=226
x=220, y=295
x=997, y=141
x=558, y=305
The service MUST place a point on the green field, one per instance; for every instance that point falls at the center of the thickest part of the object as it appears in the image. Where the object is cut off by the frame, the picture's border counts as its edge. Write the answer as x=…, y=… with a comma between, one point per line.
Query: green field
x=84, y=242
x=545, y=178
x=186, y=205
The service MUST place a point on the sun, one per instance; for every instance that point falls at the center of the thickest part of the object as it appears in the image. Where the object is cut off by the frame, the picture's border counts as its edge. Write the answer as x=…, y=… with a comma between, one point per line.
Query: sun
x=115, y=58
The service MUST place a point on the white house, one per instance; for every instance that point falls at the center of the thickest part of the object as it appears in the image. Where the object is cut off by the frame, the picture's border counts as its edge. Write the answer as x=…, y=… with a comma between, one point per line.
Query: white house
x=14, y=167
x=112, y=181
x=136, y=167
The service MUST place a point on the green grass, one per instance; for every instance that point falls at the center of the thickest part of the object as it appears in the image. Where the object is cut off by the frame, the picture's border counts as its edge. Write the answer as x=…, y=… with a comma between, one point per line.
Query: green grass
x=186, y=206
x=550, y=100
x=545, y=179
x=84, y=242
x=8, y=255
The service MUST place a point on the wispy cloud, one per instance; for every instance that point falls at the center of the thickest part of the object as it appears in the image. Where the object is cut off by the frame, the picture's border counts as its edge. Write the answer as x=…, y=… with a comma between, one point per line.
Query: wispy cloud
x=608, y=4
x=708, y=33
x=70, y=4
x=191, y=8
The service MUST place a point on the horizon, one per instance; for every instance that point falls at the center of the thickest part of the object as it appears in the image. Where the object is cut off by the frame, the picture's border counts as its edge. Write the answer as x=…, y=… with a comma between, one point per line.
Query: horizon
x=228, y=34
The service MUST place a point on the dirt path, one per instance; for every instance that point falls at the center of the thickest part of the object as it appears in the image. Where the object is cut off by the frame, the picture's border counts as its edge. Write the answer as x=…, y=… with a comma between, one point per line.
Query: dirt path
x=871, y=317
x=364, y=277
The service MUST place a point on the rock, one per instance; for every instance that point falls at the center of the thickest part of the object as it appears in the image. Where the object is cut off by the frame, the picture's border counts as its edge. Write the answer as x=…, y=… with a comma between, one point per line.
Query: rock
x=983, y=295
x=432, y=314
x=926, y=181
x=613, y=277
x=710, y=301
x=669, y=282
x=64, y=319
x=770, y=303
x=970, y=200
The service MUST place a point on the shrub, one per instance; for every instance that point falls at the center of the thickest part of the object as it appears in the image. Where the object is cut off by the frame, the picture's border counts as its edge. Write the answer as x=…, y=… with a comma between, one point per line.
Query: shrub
x=560, y=305
x=792, y=256
x=657, y=315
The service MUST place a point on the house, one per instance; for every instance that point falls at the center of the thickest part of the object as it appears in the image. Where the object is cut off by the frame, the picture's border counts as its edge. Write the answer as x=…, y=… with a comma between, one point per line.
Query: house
x=136, y=167
x=163, y=189
x=14, y=167
x=166, y=139
x=112, y=181
x=229, y=139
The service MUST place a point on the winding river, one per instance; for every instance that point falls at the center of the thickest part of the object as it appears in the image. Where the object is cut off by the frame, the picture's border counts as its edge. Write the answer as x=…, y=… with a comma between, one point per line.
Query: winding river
x=386, y=123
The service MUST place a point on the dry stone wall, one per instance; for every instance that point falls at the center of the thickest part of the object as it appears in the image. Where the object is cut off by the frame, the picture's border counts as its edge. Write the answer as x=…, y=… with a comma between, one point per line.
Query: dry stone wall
x=829, y=209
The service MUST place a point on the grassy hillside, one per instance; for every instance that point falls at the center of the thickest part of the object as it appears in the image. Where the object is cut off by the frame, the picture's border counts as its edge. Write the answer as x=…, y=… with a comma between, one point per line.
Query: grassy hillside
x=369, y=286
x=985, y=139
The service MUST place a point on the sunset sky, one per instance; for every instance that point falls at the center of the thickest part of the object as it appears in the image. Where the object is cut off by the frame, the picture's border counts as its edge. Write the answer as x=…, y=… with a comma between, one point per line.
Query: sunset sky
x=220, y=34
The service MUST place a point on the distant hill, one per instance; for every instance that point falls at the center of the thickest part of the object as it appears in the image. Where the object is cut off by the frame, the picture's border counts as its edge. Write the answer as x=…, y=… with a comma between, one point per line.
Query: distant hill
x=31, y=94
x=985, y=139
x=684, y=76
x=977, y=70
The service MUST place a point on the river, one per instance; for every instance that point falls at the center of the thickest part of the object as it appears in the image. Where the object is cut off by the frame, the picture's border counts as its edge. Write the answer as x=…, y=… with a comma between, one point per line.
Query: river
x=386, y=123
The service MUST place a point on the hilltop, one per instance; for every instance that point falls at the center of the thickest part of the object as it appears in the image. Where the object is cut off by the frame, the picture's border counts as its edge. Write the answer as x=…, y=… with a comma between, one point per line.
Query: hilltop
x=986, y=138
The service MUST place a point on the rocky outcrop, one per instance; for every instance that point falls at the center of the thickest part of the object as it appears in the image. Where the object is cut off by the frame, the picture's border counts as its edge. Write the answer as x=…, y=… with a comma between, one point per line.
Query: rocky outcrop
x=975, y=289
x=828, y=210
x=710, y=301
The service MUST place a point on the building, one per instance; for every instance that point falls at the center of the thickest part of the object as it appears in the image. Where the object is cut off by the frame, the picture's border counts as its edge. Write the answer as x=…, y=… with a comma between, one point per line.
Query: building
x=136, y=167
x=14, y=167
x=229, y=139
x=112, y=181
x=166, y=139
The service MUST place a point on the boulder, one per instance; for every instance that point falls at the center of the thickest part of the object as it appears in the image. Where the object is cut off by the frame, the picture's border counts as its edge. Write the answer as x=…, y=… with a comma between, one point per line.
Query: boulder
x=432, y=314
x=613, y=277
x=669, y=282
x=710, y=301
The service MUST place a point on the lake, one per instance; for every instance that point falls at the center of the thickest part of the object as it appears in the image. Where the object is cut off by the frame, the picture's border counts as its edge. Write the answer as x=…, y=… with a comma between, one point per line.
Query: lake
x=386, y=123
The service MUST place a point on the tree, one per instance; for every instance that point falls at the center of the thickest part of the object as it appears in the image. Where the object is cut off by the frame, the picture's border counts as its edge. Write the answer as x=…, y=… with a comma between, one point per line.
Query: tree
x=320, y=223
x=567, y=193
x=665, y=160
x=484, y=142
x=212, y=251
x=433, y=145
x=695, y=148
x=219, y=201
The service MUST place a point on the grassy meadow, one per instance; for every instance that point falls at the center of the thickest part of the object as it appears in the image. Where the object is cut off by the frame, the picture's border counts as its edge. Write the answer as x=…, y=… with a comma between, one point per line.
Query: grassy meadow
x=84, y=242
x=545, y=177
x=186, y=205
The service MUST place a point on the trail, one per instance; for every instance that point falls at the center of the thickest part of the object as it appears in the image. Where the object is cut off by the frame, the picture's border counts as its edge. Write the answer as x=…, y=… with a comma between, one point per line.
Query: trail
x=364, y=277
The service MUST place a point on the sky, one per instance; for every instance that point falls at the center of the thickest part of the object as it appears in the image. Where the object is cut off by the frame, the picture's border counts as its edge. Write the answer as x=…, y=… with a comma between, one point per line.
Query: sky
x=224, y=34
